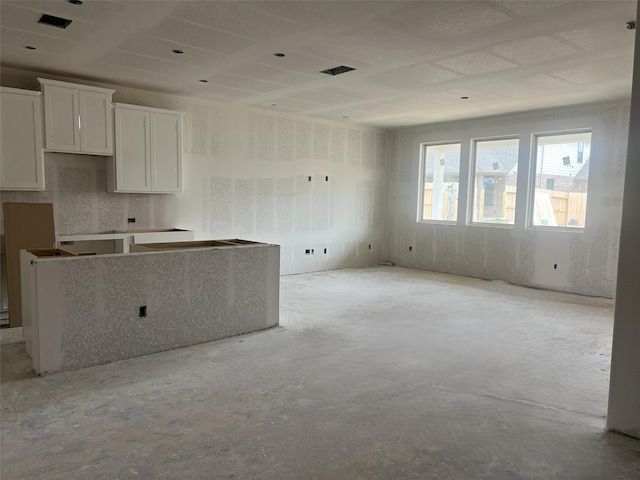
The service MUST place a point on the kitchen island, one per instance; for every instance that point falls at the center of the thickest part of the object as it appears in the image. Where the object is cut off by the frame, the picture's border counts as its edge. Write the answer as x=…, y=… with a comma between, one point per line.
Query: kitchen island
x=82, y=310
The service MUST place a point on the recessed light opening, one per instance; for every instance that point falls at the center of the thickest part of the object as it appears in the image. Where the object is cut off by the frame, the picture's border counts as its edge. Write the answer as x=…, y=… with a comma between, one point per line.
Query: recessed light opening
x=338, y=70
x=278, y=54
x=177, y=51
x=54, y=21
x=464, y=98
x=204, y=80
x=75, y=2
x=29, y=47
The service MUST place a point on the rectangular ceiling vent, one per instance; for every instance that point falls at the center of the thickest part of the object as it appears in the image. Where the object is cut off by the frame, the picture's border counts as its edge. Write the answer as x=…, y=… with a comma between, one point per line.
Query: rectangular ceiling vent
x=54, y=21
x=337, y=70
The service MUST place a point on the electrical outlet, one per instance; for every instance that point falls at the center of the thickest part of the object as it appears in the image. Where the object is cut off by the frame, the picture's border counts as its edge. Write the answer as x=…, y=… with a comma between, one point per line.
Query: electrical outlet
x=131, y=220
x=410, y=249
x=307, y=251
x=369, y=246
x=143, y=311
x=325, y=250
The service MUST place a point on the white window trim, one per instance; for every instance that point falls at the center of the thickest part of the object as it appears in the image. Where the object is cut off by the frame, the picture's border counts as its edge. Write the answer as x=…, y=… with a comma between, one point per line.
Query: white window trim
x=421, y=175
x=471, y=190
x=533, y=153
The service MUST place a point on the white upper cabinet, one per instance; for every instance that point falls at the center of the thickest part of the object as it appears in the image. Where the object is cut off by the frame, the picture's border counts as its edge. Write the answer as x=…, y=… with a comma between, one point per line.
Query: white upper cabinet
x=78, y=118
x=166, y=152
x=96, y=122
x=133, y=156
x=148, y=157
x=21, y=157
x=62, y=119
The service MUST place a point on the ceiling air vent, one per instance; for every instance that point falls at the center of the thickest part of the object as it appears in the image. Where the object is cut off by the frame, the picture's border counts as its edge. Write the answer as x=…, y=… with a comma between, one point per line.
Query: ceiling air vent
x=337, y=70
x=54, y=21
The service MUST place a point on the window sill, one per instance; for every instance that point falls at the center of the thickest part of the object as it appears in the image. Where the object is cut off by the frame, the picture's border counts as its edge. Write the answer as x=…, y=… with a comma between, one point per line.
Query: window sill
x=541, y=228
x=491, y=225
x=438, y=222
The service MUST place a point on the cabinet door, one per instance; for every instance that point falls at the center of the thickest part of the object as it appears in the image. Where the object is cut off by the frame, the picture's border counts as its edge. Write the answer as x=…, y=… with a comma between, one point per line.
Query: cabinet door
x=21, y=157
x=132, y=159
x=96, y=133
x=61, y=109
x=166, y=152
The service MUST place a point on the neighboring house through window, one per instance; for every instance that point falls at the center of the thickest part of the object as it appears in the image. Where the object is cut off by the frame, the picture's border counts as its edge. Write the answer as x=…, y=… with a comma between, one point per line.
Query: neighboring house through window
x=558, y=184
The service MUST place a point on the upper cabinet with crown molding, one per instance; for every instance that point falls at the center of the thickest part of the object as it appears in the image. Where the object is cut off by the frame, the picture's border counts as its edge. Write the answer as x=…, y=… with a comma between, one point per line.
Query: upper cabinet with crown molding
x=21, y=157
x=77, y=118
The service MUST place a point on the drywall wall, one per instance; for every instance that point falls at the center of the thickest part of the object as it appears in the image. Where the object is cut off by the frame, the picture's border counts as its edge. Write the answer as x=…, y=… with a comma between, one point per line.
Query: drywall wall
x=246, y=174
x=624, y=394
x=585, y=261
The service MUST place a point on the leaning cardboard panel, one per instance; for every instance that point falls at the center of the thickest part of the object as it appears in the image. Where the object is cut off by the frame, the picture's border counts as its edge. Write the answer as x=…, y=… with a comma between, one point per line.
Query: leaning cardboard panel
x=26, y=225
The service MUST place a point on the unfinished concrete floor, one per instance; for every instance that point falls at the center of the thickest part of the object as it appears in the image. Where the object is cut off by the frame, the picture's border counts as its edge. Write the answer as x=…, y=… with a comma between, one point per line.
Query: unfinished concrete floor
x=383, y=373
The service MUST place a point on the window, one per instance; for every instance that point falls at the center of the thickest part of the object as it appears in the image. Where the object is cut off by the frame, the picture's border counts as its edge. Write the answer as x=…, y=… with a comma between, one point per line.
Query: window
x=440, y=181
x=562, y=163
x=493, y=188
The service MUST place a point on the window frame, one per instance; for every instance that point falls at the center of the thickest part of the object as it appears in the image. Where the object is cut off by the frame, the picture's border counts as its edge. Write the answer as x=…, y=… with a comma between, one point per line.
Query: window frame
x=421, y=181
x=471, y=187
x=531, y=185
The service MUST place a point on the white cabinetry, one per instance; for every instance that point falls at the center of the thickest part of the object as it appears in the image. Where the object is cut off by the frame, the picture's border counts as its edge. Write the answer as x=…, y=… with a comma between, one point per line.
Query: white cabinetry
x=78, y=118
x=132, y=156
x=22, y=159
x=148, y=156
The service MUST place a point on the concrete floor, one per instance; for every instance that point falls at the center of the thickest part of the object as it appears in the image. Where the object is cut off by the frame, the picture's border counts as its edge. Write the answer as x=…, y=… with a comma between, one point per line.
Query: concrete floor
x=383, y=373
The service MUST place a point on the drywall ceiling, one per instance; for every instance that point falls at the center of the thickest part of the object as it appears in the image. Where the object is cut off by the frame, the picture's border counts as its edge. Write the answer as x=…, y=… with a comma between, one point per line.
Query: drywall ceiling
x=414, y=60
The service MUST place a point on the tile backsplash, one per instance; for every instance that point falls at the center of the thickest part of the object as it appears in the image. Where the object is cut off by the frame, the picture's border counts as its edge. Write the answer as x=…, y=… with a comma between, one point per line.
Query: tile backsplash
x=77, y=187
